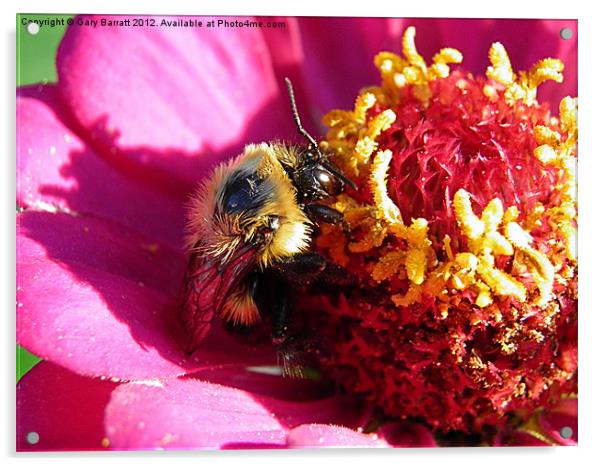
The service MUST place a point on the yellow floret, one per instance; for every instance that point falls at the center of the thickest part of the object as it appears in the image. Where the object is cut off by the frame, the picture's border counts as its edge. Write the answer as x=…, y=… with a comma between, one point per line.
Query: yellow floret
x=523, y=87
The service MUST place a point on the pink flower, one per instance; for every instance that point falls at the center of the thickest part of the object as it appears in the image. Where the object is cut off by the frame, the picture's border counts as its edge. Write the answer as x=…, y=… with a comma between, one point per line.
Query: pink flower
x=106, y=160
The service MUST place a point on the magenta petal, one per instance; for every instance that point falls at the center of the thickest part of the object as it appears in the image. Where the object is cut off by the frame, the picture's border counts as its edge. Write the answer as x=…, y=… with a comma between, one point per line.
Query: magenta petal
x=54, y=167
x=322, y=435
x=99, y=300
x=338, y=56
x=562, y=419
x=65, y=410
x=182, y=414
x=167, y=97
x=189, y=413
x=407, y=434
x=285, y=46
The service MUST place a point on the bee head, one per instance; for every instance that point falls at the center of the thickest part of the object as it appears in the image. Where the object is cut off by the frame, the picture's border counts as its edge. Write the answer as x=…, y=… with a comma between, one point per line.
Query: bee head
x=249, y=203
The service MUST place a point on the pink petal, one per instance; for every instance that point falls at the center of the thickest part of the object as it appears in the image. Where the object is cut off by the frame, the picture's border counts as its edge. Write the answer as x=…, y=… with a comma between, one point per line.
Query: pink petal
x=189, y=413
x=100, y=300
x=54, y=167
x=407, y=435
x=169, y=98
x=65, y=410
x=288, y=61
x=323, y=435
x=182, y=414
x=337, y=58
x=285, y=46
x=562, y=419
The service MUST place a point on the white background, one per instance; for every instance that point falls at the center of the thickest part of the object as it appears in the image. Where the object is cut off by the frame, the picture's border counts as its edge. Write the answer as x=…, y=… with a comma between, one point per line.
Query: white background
x=590, y=233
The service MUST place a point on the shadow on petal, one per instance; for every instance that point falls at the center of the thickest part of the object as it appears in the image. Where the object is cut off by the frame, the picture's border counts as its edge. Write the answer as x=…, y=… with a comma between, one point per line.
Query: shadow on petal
x=99, y=299
x=407, y=435
x=264, y=384
x=56, y=168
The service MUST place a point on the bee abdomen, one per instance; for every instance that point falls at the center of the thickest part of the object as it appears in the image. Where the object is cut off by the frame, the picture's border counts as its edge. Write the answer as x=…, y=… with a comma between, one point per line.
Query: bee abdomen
x=240, y=307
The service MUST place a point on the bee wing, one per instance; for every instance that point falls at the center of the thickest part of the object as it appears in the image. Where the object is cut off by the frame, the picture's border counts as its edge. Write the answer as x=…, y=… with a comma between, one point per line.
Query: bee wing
x=196, y=312
x=207, y=286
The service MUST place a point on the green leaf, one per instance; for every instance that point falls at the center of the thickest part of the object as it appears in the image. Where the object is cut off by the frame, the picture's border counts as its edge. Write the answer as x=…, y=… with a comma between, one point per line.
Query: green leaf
x=36, y=53
x=25, y=361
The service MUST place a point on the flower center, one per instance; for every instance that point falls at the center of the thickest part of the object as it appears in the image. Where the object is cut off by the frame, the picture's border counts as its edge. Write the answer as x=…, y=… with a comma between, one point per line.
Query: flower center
x=462, y=234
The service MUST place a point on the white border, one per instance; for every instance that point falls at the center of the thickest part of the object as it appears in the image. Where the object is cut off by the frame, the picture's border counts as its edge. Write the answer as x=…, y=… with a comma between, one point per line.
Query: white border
x=590, y=186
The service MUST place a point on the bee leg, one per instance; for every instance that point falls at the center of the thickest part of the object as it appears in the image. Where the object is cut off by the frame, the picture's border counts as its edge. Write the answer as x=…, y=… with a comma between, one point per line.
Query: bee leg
x=335, y=275
x=311, y=269
x=302, y=269
x=281, y=312
x=274, y=295
x=287, y=350
x=319, y=212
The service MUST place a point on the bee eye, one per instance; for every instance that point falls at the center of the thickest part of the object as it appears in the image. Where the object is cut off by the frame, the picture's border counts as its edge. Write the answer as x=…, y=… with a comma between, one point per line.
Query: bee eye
x=238, y=201
x=244, y=194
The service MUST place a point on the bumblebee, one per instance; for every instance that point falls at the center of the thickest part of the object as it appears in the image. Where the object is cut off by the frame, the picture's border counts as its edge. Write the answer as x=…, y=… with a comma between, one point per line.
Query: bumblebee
x=250, y=228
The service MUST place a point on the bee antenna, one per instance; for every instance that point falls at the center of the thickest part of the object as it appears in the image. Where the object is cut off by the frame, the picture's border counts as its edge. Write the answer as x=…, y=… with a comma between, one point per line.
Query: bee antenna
x=302, y=130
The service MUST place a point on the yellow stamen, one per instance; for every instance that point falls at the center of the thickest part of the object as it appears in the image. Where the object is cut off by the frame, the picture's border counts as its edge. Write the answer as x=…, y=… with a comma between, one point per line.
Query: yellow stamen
x=415, y=235
x=398, y=72
x=388, y=265
x=412, y=296
x=487, y=242
x=523, y=87
x=558, y=150
x=419, y=246
x=366, y=143
x=447, y=246
x=378, y=183
x=469, y=223
x=500, y=282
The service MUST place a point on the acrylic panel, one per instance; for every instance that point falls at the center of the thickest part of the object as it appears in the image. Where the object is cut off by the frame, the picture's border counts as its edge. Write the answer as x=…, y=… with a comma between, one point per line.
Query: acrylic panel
x=295, y=232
